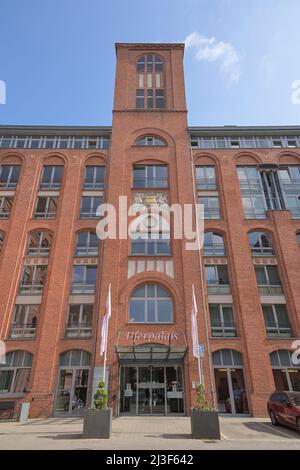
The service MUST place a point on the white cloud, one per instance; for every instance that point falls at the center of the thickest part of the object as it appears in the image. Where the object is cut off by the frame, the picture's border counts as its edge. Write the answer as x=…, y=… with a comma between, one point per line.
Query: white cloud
x=211, y=50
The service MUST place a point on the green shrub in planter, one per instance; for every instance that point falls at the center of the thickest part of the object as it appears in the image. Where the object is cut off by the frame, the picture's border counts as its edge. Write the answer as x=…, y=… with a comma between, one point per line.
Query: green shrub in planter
x=98, y=421
x=204, y=419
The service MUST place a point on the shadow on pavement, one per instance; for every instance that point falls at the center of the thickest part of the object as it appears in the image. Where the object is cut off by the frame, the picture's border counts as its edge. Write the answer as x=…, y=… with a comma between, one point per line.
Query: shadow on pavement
x=280, y=431
x=66, y=436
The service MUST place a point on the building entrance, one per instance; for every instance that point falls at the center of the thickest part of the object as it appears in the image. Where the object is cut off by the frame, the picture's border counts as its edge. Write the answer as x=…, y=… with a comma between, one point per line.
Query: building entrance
x=151, y=390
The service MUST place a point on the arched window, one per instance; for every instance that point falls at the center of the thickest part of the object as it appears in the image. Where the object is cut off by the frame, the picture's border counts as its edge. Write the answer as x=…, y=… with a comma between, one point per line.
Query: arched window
x=94, y=177
x=2, y=235
x=87, y=243
x=206, y=178
x=39, y=243
x=150, y=86
x=286, y=372
x=260, y=244
x=298, y=238
x=15, y=373
x=150, y=141
x=227, y=358
x=151, y=303
x=9, y=176
x=52, y=176
x=214, y=244
x=75, y=357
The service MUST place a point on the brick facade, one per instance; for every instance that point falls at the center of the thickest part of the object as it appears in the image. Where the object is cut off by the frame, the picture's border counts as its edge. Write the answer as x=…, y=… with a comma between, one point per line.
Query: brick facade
x=169, y=124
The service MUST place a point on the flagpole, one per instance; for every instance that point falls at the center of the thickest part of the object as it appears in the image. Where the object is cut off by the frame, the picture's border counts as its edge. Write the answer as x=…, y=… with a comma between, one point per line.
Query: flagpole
x=106, y=336
x=200, y=372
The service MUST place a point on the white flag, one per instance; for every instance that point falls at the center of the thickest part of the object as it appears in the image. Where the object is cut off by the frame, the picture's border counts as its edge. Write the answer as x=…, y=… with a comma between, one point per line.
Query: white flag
x=105, y=322
x=194, y=324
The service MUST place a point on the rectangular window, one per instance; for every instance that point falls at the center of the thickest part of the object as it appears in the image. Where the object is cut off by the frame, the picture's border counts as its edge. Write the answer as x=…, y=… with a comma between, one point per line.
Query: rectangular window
x=252, y=192
x=276, y=321
x=33, y=280
x=268, y=280
x=217, y=280
x=52, y=177
x=94, y=177
x=150, y=176
x=84, y=279
x=222, y=321
x=211, y=206
x=149, y=99
x=46, y=207
x=80, y=320
x=206, y=178
x=87, y=244
x=9, y=176
x=140, y=99
x=89, y=206
x=290, y=184
x=25, y=321
x=159, y=99
x=155, y=245
x=5, y=206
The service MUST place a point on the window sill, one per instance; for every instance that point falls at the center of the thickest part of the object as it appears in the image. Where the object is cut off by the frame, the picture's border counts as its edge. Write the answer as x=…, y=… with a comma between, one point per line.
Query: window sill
x=224, y=337
x=12, y=395
x=281, y=338
x=150, y=256
x=152, y=323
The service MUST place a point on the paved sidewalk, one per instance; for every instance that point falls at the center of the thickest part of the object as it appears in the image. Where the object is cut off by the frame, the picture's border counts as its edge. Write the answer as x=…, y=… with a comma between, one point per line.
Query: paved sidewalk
x=150, y=433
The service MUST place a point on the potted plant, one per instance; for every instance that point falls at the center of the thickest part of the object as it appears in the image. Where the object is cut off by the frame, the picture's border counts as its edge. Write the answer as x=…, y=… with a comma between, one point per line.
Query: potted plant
x=204, y=419
x=98, y=420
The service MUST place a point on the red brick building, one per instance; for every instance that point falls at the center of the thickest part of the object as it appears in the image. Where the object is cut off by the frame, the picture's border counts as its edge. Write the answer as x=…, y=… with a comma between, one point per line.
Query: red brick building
x=55, y=273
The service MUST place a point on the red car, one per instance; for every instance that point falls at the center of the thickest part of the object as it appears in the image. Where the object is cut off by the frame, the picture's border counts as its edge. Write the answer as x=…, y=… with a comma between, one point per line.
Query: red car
x=284, y=408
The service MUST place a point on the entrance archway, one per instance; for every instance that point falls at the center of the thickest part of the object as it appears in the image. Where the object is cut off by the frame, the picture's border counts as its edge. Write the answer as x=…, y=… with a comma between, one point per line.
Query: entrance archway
x=230, y=383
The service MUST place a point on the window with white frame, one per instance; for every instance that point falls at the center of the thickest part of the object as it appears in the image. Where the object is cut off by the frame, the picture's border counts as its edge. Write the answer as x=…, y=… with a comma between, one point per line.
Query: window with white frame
x=15, y=373
x=52, y=177
x=277, y=321
x=9, y=176
x=222, y=320
x=150, y=303
x=268, y=280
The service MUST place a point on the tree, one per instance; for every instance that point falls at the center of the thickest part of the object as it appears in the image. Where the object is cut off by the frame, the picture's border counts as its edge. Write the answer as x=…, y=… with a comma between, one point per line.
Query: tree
x=202, y=402
x=100, y=397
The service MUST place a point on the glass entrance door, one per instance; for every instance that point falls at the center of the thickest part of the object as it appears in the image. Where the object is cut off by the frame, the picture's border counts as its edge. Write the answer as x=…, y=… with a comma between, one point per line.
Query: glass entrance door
x=158, y=390
x=146, y=390
x=71, y=393
x=231, y=391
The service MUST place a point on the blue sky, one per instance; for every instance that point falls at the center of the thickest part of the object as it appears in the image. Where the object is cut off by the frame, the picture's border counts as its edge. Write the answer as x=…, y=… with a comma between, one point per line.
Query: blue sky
x=57, y=57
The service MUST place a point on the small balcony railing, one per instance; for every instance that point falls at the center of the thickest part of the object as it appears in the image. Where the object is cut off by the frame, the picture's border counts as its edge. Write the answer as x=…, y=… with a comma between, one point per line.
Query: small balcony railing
x=38, y=251
x=87, y=251
x=214, y=250
x=223, y=330
x=91, y=214
x=218, y=289
x=279, y=331
x=8, y=184
x=270, y=289
x=150, y=183
x=31, y=289
x=79, y=330
x=23, y=330
x=45, y=215
x=52, y=185
x=205, y=185
x=93, y=185
x=82, y=288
